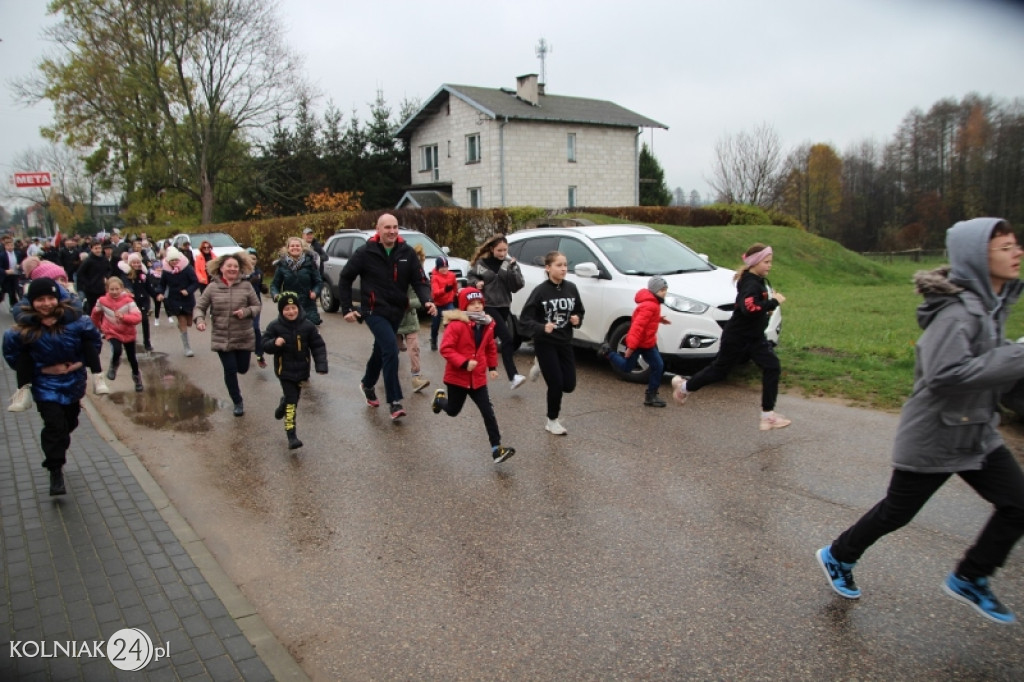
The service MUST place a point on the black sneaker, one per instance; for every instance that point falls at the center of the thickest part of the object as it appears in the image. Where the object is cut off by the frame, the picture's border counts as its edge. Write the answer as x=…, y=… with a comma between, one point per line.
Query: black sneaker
x=57, y=482
x=604, y=351
x=370, y=395
x=239, y=409
x=433, y=344
x=397, y=411
x=435, y=404
x=279, y=412
x=502, y=453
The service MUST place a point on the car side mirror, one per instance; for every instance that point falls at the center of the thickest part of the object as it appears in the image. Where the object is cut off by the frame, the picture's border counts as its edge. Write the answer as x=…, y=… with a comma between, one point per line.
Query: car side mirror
x=587, y=270
x=705, y=257
x=445, y=249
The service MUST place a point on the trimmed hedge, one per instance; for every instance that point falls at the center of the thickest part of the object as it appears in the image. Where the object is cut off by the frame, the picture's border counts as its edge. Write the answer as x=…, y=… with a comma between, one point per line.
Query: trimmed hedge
x=462, y=229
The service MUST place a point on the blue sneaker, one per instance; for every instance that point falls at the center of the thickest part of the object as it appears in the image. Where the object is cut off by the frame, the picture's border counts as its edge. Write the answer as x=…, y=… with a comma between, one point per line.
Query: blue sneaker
x=839, y=574
x=978, y=594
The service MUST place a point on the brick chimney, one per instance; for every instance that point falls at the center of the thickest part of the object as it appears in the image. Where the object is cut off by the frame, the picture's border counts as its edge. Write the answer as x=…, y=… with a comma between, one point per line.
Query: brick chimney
x=527, y=89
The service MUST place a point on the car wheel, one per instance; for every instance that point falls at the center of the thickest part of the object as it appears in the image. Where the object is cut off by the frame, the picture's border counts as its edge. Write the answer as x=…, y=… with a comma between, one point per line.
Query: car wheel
x=642, y=372
x=328, y=301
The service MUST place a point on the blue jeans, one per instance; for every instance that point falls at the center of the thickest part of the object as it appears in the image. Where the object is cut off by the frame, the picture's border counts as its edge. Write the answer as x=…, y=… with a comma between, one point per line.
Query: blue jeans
x=384, y=357
x=435, y=324
x=234, y=362
x=653, y=359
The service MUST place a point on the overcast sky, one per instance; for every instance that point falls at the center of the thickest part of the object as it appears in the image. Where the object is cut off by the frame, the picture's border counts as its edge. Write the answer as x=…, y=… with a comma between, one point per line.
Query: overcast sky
x=834, y=71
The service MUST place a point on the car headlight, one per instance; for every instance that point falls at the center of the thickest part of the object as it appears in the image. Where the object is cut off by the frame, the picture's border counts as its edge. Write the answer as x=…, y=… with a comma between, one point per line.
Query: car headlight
x=682, y=304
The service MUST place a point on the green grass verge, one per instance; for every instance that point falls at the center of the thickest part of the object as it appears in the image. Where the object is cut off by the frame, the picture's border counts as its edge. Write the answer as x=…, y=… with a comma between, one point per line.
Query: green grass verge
x=849, y=323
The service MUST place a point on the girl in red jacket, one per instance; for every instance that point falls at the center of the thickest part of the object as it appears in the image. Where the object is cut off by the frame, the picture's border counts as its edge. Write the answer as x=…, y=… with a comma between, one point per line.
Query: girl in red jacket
x=443, y=289
x=642, y=339
x=470, y=352
x=116, y=314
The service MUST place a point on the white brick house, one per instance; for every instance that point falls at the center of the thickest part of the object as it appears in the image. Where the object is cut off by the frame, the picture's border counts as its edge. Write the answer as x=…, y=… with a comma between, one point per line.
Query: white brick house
x=492, y=147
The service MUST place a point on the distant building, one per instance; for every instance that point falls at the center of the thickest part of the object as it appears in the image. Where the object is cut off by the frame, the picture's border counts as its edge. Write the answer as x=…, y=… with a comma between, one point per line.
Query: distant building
x=493, y=147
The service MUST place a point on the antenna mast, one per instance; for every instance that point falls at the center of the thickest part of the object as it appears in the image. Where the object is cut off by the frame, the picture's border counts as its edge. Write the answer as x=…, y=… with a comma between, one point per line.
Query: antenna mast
x=543, y=48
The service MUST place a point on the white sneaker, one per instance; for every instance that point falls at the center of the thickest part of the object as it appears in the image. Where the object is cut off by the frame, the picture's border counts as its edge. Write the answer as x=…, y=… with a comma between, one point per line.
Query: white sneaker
x=534, y=371
x=22, y=399
x=554, y=427
x=677, y=389
x=774, y=421
x=100, y=387
x=170, y=319
x=156, y=321
x=517, y=381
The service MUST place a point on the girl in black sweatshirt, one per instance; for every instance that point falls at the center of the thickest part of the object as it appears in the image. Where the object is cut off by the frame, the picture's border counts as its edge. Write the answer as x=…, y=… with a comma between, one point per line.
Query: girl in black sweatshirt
x=548, y=317
x=743, y=338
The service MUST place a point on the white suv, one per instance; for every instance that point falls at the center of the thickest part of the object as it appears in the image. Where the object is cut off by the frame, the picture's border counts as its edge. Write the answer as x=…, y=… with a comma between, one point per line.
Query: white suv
x=610, y=263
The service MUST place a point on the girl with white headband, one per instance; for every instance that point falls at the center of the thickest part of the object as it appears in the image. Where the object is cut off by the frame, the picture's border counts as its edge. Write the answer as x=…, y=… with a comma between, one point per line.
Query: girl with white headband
x=743, y=338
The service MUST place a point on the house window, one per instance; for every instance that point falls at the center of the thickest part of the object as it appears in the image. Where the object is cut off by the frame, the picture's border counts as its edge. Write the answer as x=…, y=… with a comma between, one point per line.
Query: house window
x=428, y=160
x=571, y=147
x=476, y=197
x=572, y=196
x=473, y=148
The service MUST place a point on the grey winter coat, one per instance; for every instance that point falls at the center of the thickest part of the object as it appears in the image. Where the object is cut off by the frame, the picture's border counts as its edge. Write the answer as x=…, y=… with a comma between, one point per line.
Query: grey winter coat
x=963, y=362
x=498, y=284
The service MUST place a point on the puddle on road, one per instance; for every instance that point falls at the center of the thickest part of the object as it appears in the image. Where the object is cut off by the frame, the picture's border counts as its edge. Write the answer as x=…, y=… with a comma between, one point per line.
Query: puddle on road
x=170, y=402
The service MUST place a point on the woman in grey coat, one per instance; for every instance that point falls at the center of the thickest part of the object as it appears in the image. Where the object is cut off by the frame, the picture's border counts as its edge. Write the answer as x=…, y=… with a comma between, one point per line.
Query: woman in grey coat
x=230, y=303
x=948, y=426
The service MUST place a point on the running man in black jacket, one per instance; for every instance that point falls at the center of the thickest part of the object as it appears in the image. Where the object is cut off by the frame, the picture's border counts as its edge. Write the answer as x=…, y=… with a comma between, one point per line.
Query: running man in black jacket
x=387, y=266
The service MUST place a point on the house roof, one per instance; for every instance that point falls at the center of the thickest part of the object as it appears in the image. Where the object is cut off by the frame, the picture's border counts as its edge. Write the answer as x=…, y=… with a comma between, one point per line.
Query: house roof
x=426, y=199
x=502, y=103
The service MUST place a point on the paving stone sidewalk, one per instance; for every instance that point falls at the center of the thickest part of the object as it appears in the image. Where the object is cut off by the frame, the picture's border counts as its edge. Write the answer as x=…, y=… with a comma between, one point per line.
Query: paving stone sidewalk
x=112, y=554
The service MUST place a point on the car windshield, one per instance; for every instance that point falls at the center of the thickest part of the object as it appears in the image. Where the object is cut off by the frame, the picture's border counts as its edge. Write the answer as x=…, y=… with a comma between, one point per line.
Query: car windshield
x=650, y=254
x=215, y=238
x=430, y=249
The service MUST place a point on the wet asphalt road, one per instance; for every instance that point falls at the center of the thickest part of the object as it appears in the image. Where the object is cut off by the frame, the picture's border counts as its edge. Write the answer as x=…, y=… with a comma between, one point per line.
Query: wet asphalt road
x=664, y=544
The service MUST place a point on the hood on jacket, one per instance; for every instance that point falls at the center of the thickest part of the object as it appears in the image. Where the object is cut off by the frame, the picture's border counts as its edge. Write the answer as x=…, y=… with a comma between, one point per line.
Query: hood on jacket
x=967, y=243
x=646, y=295
x=245, y=262
x=125, y=267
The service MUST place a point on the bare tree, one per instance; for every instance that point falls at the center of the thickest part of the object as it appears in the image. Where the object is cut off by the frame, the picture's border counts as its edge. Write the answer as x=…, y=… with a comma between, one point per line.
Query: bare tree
x=747, y=166
x=171, y=88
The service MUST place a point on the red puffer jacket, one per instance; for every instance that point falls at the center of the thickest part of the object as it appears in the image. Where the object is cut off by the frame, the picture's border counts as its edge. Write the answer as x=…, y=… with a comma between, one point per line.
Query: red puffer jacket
x=105, y=316
x=643, y=330
x=458, y=346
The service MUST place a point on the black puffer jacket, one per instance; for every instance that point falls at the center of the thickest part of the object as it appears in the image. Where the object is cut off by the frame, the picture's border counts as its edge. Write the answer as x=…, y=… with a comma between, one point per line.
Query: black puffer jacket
x=301, y=340
x=384, y=279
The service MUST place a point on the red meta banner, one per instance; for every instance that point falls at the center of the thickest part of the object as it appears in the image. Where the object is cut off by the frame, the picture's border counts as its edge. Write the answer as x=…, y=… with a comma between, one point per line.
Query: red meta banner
x=41, y=179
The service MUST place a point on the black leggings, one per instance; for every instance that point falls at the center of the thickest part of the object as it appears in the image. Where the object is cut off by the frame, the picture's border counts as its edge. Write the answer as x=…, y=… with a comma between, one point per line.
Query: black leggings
x=558, y=366
x=999, y=481
x=732, y=353
x=129, y=350
x=59, y=421
x=457, y=398
x=508, y=343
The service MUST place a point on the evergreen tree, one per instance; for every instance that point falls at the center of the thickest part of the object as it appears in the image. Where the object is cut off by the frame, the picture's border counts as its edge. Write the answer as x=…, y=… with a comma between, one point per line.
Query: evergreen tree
x=653, y=190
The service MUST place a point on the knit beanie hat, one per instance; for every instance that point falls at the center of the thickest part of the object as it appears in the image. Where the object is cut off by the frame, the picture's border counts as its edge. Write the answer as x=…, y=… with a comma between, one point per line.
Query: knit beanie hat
x=44, y=286
x=173, y=254
x=656, y=284
x=440, y=262
x=468, y=294
x=288, y=298
x=48, y=270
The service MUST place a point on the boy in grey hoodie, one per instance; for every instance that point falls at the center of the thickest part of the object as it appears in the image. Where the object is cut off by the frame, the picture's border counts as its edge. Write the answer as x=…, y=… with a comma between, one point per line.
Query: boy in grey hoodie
x=948, y=426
